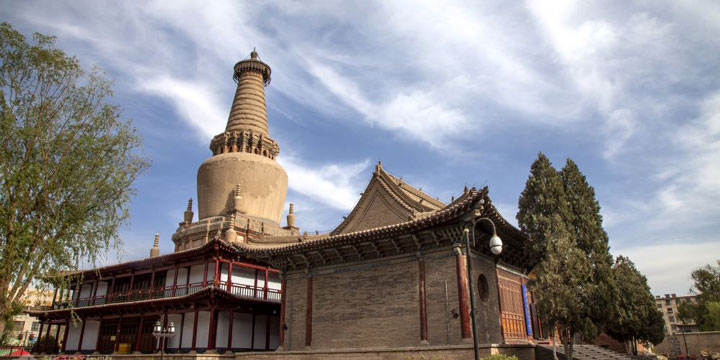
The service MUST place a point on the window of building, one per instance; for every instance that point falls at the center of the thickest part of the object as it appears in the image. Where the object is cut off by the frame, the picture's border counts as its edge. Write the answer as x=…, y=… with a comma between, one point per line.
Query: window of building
x=35, y=326
x=18, y=325
x=482, y=287
x=672, y=318
x=659, y=306
x=669, y=310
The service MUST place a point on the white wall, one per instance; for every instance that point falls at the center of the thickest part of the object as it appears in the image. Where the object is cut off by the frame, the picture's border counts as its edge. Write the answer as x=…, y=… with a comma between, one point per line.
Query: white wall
x=243, y=276
x=224, y=271
x=274, y=281
x=260, y=326
x=73, y=336
x=174, y=341
x=188, y=330
x=274, y=332
x=242, y=331
x=203, y=327
x=86, y=291
x=169, y=277
x=223, y=326
x=102, y=288
x=196, y=273
x=92, y=328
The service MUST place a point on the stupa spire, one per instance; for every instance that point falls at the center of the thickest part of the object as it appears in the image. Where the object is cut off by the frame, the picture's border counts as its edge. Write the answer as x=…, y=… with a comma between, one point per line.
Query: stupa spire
x=248, y=111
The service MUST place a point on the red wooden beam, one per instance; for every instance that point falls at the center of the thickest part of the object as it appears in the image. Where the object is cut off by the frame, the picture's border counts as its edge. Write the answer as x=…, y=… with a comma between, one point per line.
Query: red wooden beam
x=423, y=309
x=461, y=272
x=308, y=313
x=139, y=333
x=174, y=287
x=82, y=334
x=230, y=330
x=283, y=301
x=117, y=335
x=65, y=335
x=194, y=336
x=212, y=329
x=229, y=281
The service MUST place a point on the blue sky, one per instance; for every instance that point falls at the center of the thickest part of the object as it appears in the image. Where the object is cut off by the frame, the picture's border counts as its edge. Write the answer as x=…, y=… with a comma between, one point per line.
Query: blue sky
x=445, y=93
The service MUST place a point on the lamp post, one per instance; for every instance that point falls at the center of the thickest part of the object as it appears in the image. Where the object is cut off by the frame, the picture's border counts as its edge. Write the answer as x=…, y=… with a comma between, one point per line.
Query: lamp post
x=495, y=244
x=162, y=333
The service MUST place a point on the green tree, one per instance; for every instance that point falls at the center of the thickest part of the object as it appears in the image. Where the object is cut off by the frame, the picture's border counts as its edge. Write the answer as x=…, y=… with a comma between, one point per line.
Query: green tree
x=706, y=312
x=585, y=226
x=560, y=285
x=542, y=199
x=67, y=164
x=563, y=270
x=637, y=317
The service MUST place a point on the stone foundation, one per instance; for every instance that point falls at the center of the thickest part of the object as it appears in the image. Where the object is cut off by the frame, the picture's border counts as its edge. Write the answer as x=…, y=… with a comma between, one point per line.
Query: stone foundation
x=449, y=352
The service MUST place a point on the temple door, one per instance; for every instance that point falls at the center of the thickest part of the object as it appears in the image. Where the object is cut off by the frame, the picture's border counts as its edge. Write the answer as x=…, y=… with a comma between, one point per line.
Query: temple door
x=512, y=311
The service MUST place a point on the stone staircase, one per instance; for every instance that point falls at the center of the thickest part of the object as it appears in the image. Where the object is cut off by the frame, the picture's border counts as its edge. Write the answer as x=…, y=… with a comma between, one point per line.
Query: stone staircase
x=581, y=352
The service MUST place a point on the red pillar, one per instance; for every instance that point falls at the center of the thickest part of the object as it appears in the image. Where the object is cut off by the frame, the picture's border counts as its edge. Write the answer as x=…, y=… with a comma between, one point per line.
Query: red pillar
x=130, y=289
x=182, y=326
x=267, y=332
x=194, y=337
x=117, y=336
x=423, y=309
x=65, y=334
x=255, y=285
x=47, y=337
x=211, y=330
x=265, y=288
x=82, y=334
x=54, y=298
x=139, y=334
x=283, y=301
x=252, y=335
x=229, y=281
x=174, y=287
x=110, y=291
x=94, y=294
x=57, y=339
x=152, y=285
x=217, y=272
x=463, y=295
x=230, y=330
x=308, y=313
x=165, y=322
x=204, y=284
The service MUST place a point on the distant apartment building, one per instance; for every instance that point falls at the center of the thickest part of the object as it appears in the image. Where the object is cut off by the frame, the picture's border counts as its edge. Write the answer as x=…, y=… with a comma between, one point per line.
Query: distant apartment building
x=668, y=305
x=26, y=328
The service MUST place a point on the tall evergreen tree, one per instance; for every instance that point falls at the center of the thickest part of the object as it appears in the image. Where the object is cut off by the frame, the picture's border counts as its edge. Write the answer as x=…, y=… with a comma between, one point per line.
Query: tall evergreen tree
x=585, y=226
x=637, y=317
x=542, y=199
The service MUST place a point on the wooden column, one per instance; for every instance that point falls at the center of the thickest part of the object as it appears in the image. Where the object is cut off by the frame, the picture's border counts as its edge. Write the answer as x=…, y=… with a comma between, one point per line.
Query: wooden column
x=255, y=284
x=194, y=337
x=217, y=272
x=82, y=334
x=267, y=332
x=117, y=336
x=174, y=287
x=94, y=294
x=37, y=343
x=463, y=295
x=229, y=281
x=265, y=288
x=97, y=342
x=182, y=326
x=308, y=313
x=252, y=334
x=47, y=337
x=110, y=291
x=212, y=329
x=152, y=284
x=283, y=301
x=130, y=288
x=230, y=330
x=57, y=339
x=65, y=335
x=423, y=309
x=54, y=298
x=139, y=334
x=205, y=275
x=164, y=325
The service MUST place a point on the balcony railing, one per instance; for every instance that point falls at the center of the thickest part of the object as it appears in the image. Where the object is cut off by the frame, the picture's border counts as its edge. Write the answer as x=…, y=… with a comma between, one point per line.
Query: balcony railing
x=245, y=291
